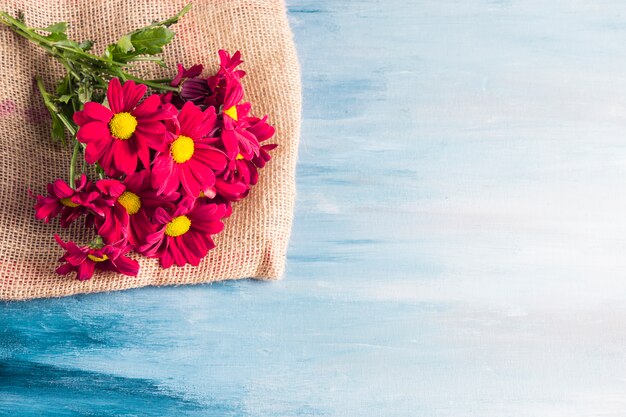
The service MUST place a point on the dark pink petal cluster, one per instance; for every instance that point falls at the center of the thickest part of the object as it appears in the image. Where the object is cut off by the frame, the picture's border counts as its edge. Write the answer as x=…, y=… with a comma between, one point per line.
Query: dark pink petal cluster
x=84, y=260
x=174, y=163
x=70, y=203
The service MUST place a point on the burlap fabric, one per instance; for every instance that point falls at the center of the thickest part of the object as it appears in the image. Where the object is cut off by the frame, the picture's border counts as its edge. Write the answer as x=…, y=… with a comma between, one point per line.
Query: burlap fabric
x=255, y=239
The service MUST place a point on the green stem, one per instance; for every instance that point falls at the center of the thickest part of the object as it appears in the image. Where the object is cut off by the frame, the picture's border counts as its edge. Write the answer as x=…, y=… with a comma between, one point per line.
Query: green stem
x=160, y=80
x=73, y=163
x=47, y=101
x=172, y=20
x=150, y=83
x=86, y=61
x=68, y=125
x=44, y=95
x=26, y=32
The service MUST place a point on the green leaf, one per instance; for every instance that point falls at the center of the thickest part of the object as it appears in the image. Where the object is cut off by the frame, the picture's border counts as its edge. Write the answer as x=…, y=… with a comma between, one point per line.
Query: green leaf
x=84, y=92
x=57, y=37
x=151, y=41
x=86, y=45
x=65, y=98
x=56, y=28
x=146, y=41
x=113, y=53
x=124, y=44
x=57, y=131
x=175, y=19
x=63, y=87
x=109, y=52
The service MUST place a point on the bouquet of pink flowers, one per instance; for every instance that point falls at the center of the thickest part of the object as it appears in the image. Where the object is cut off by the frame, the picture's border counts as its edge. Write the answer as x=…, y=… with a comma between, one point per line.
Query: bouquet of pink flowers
x=155, y=164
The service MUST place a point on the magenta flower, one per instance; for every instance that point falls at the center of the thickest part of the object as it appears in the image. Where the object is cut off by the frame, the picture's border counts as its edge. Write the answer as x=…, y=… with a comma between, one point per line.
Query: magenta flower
x=235, y=136
x=192, y=88
x=190, y=160
x=133, y=203
x=262, y=131
x=245, y=168
x=70, y=203
x=195, y=90
x=184, y=236
x=84, y=260
x=228, y=72
x=228, y=64
x=119, y=137
x=184, y=74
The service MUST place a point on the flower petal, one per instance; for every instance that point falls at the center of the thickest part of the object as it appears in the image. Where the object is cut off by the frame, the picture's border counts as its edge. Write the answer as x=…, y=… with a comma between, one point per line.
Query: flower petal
x=161, y=216
x=97, y=112
x=189, y=118
x=189, y=181
x=96, y=149
x=93, y=131
x=195, y=244
x=166, y=259
x=125, y=158
x=153, y=135
x=80, y=118
x=177, y=252
x=147, y=107
x=210, y=227
x=126, y=266
x=230, y=143
x=210, y=156
x=85, y=270
x=132, y=94
x=115, y=96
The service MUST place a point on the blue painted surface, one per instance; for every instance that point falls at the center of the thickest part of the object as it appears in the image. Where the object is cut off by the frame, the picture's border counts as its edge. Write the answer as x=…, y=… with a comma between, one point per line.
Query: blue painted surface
x=457, y=251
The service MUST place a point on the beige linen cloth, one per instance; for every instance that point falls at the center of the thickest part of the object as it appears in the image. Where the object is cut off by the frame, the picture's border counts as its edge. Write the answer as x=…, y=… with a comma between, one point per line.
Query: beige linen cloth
x=255, y=238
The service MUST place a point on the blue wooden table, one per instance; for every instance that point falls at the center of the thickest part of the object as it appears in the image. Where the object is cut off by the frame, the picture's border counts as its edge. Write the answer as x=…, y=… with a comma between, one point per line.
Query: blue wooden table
x=458, y=248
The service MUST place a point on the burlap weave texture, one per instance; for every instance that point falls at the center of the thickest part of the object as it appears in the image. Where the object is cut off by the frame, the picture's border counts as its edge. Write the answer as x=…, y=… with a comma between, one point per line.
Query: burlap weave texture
x=255, y=238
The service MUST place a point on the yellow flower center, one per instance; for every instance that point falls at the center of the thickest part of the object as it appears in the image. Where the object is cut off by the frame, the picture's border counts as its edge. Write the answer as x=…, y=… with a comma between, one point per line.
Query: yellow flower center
x=232, y=112
x=239, y=157
x=130, y=201
x=178, y=226
x=182, y=149
x=68, y=203
x=123, y=125
x=96, y=259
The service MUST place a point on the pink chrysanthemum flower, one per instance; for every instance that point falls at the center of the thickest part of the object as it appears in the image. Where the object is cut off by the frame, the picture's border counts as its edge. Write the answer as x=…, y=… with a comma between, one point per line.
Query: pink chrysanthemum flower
x=235, y=136
x=209, y=91
x=190, y=160
x=242, y=172
x=119, y=137
x=84, y=260
x=133, y=203
x=262, y=131
x=228, y=72
x=185, y=235
x=70, y=202
x=246, y=167
x=184, y=74
x=229, y=64
x=192, y=87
